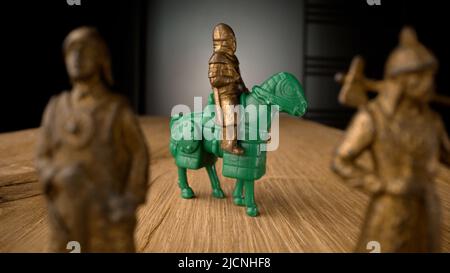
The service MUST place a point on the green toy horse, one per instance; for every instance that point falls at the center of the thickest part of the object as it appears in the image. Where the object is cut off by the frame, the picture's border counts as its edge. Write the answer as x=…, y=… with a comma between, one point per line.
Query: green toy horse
x=194, y=150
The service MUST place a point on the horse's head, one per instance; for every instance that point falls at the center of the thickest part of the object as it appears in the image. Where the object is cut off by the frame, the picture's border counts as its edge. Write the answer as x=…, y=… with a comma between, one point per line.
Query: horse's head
x=285, y=91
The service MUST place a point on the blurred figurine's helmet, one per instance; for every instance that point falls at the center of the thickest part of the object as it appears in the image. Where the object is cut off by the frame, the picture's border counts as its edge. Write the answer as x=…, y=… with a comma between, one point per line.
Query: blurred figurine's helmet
x=224, y=39
x=91, y=37
x=409, y=56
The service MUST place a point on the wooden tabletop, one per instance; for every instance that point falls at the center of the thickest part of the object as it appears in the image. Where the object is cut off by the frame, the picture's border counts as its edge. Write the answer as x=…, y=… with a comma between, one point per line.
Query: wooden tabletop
x=304, y=206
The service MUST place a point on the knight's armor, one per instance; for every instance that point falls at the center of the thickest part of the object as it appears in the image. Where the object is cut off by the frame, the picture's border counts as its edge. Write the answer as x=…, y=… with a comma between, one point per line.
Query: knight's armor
x=227, y=84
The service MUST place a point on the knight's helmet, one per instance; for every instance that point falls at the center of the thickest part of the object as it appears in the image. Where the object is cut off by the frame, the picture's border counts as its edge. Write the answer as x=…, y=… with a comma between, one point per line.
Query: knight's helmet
x=409, y=56
x=224, y=38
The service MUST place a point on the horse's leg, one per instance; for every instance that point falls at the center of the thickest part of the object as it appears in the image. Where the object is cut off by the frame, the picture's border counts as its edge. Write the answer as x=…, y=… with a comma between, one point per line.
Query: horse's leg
x=186, y=191
x=237, y=193
x=215, y=183
x=249, y=193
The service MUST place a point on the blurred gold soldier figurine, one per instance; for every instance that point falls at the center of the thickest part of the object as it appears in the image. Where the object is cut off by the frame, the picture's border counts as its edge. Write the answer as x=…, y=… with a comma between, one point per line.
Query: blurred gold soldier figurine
x=92, y=156
x=225, y=78
x=406, y=141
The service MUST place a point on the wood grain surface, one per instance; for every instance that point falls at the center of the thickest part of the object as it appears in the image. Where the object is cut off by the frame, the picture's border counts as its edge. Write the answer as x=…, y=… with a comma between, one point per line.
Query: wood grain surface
x=304, y=206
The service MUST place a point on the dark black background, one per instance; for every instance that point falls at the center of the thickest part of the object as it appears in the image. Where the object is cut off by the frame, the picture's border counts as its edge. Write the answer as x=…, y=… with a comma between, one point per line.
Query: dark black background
x=374, y=32
x=33, y=66
x=33, y=31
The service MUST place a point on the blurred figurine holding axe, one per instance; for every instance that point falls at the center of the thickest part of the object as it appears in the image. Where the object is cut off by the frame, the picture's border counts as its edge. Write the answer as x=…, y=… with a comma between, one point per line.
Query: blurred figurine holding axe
x=406, y=140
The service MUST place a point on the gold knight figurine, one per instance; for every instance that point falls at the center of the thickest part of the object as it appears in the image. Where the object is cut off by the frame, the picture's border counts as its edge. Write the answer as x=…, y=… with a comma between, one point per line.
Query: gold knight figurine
x=406, y=140
x=227, y=84
x=92, y=157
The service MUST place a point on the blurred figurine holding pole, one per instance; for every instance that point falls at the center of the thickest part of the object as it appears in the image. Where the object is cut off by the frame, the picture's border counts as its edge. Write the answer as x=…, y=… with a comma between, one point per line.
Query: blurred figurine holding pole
x=92, y=157
x=406, y=140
